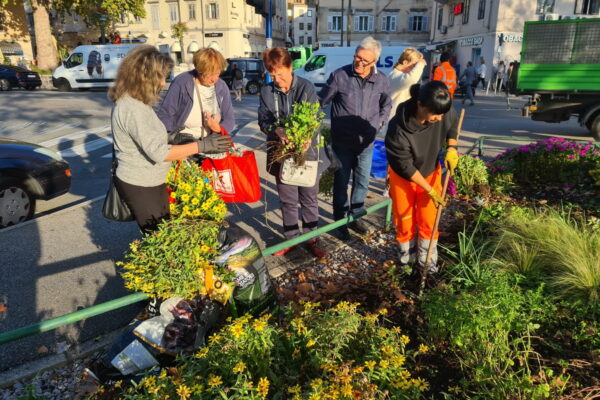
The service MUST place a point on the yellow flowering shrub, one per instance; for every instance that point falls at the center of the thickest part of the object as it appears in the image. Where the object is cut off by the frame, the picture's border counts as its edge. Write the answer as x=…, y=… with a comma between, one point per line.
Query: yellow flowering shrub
x=191, y=194
x=314, y=353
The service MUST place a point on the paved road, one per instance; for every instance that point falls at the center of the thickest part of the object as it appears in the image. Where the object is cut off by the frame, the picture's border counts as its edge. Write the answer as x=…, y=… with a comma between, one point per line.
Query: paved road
x=64, y=259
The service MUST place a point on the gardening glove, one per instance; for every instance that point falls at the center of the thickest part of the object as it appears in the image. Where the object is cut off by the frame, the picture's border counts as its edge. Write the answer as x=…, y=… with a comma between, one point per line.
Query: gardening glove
x=215, y=143
x=177, y=137
x=437, y=199
x=451, y=160
x=280, y=132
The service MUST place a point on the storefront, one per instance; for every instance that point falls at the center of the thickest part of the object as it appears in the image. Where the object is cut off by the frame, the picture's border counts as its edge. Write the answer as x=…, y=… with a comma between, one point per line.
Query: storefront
x=493, y=47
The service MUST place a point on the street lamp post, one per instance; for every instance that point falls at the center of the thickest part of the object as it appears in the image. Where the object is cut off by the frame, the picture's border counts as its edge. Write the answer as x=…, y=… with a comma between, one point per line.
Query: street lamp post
x=103, y=18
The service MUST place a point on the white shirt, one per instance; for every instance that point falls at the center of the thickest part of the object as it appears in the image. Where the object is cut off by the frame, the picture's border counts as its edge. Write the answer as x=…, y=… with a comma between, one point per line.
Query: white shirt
x=207, y=103
x=481, y=70
x=400, y=84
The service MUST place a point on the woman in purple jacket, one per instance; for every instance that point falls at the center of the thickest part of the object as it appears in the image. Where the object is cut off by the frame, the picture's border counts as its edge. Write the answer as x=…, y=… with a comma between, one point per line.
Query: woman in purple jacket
x=198, y=102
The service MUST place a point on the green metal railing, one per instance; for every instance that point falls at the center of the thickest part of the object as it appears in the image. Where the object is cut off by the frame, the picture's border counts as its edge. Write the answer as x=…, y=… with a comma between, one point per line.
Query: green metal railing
x=121, y=302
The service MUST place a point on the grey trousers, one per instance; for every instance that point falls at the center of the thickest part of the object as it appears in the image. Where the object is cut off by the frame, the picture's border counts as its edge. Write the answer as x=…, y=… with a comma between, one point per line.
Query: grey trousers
x=416, y=251
x=289, y=197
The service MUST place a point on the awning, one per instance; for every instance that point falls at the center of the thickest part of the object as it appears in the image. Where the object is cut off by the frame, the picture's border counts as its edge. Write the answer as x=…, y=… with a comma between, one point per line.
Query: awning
x=441, y=46
x=11, y=48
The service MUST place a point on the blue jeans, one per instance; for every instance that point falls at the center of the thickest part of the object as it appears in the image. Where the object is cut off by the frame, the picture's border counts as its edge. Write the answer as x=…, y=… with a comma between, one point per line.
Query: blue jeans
x=357, y=163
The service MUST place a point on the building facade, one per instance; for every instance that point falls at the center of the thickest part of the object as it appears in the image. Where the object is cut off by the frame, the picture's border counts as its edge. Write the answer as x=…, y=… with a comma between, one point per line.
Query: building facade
x=303, y=24
x=470, y=29
x=231, y=26
x=394, y=23
x=15, y=39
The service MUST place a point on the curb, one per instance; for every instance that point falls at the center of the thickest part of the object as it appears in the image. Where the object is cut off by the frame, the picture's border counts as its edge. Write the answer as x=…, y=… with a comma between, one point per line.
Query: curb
x=33, y=368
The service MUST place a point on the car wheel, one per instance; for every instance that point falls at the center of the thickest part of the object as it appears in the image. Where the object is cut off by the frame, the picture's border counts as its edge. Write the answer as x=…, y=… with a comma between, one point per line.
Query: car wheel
x=16, y=203
x=594, y=127
x=252, y=87
x=63, y=85
x=30, y=87
x=5, y=85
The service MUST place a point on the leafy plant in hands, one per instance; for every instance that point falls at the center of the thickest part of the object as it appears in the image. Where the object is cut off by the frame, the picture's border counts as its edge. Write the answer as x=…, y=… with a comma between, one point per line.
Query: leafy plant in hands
x=300, y=127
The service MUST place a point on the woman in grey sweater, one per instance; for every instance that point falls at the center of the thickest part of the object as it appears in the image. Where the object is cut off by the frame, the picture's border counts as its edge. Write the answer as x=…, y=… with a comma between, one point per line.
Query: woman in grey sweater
x=141, y=140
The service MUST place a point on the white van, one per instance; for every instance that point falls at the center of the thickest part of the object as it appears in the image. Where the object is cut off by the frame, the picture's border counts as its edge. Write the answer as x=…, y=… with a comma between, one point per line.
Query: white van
x=90, y=66
x=327, y=59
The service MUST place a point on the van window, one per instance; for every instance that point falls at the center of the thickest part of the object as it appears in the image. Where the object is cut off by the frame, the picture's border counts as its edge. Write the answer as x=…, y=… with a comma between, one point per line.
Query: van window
x=315, y=62
x=107, y=58
x=252, y=66
x=74, y=60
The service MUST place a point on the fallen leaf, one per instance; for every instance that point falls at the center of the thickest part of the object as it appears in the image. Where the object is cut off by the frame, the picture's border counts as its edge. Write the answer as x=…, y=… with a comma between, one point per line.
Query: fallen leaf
x=3, y=308
x=305, y=288
x=42, y=350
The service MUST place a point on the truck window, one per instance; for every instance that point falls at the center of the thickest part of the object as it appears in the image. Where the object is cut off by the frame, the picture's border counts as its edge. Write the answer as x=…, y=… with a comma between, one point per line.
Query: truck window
x=315, y=62
x=296, y=55
x=74, y=60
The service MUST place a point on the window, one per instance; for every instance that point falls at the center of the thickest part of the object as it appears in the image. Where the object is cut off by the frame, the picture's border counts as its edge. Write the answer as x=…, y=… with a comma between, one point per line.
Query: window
x=316, y=62
x=481, y=11
x=309, y=40
x=544, y=6
x=155, y=17
x=301, y=40
x=192, y=11
x=450, y=18
x=309, y=26
x=466, y=9
x=440, y=20
x=301, y=26
x=212, y=10
x=388, y=23
x=309, y=13
x=122, y=18
x=138, y=19
x=173, y=13
x=74, y=60
x=417, y=23
x=586, y=6
x=363, y=23
x=334, y=23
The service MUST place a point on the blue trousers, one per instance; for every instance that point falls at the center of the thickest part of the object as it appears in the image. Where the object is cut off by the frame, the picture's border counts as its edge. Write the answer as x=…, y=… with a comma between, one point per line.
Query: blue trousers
x=355, y=163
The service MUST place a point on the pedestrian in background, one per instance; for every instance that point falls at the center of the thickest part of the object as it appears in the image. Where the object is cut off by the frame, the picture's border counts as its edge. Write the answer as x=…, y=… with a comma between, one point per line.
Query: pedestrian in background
x=469, y=79
x=407, y=71
x=238, y=81
x=446, y=73
x=276, y=102
x=198, y=102
x=140, y=138
x=360, y=106
x=481, y=72
x=500, y=79
x=422, y=126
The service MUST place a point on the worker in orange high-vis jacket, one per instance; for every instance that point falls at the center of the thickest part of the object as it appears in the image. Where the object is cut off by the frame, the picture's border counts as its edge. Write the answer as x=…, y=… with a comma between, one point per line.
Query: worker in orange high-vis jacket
x=422, y=126
x=446, y=73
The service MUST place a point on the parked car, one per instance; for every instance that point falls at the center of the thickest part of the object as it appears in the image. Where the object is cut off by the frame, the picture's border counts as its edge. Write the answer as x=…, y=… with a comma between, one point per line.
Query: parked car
x=28, y=172
x=254, y=75
x=12, y=76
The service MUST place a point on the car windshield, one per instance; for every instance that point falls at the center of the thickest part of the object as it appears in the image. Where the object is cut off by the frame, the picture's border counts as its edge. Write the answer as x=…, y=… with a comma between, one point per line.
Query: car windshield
x=296, y=55
x=17, y=69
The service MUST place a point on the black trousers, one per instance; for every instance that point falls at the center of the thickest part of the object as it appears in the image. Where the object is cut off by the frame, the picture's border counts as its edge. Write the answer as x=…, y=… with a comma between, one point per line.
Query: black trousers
x=150, y=205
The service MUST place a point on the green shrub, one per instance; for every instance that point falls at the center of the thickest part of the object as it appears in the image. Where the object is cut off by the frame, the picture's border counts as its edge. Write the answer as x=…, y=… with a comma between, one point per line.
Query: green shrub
x=555, y=246
x=488, y=329
x=471, y=172
x=314, y=354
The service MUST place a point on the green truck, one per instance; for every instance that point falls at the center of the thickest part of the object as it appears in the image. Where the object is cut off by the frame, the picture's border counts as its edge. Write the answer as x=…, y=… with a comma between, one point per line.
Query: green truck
x=560, y=70
x=300, y=55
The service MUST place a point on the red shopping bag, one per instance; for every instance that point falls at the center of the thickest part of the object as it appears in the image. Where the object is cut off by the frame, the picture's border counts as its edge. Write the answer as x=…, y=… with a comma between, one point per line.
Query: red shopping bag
x=235, y=178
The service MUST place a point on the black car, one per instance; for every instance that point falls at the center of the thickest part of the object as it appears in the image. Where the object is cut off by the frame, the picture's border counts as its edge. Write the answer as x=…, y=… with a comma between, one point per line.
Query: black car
x=28, y=172
x=11, y=76
x=253, y=73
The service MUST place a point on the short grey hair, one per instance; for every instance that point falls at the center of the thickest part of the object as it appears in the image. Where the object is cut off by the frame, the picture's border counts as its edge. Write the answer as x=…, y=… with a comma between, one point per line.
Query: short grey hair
x=369, y=43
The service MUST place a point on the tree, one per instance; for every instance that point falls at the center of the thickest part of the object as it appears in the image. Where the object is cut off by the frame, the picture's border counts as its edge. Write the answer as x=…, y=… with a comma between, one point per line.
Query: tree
x=100, y=13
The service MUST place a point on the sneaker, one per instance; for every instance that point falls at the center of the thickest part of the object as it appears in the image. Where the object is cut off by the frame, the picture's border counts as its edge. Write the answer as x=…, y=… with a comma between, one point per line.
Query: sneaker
x=313, y=246
x=342, y=233
x=284, y=251
x=359, y=226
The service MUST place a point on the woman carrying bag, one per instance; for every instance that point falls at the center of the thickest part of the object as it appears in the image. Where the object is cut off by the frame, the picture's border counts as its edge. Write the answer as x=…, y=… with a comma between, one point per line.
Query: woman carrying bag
x=198, y=102
x=276, y=100
x=142, y=154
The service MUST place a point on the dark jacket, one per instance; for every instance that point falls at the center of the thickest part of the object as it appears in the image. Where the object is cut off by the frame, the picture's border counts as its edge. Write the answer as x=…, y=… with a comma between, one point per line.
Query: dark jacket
x=412, y=146
x=301, y=90
x=178, y=102
x=359, y=107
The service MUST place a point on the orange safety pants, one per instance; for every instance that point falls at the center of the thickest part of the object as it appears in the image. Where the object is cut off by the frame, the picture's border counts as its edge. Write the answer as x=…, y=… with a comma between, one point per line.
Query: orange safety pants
x=413, y=209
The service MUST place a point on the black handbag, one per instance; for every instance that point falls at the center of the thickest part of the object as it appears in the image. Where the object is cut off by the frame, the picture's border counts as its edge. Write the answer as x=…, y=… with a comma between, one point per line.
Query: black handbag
x=114, y=207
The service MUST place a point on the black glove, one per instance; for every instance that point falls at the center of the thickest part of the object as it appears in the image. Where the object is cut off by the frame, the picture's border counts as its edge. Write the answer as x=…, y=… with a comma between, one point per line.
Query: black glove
x=177, y=137
x=214, y=143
